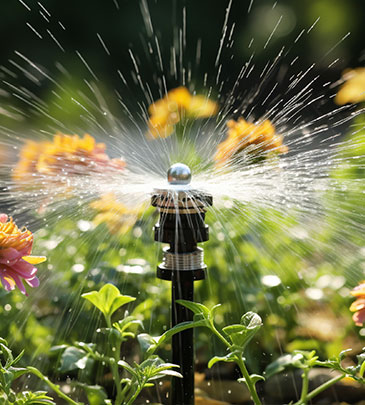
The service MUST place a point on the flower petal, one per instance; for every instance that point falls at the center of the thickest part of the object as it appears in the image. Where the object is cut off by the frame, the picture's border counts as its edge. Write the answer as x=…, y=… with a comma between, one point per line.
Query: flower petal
x=33, y=282
x=359, y=317
x=19, y=283
x=358, y=305
x=34, y=259
x=9, y=256
x=359, y=290
x=23, y=269
x=3, y=218
x=7, y=282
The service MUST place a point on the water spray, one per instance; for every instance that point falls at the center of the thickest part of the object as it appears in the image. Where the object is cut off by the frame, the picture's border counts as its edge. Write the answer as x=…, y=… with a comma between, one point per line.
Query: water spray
x=182, y=225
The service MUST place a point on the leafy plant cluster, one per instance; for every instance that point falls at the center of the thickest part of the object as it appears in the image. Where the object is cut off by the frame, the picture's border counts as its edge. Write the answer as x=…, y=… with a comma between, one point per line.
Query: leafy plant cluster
x=129, y=379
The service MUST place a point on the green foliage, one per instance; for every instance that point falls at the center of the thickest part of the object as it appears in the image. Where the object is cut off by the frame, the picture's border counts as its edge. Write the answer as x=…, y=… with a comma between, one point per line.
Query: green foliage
x=356, y=372
x=238, y=335
x=298, y=359
x=96, y=394
x=241, y=334
x=143, y=374
x=33, y=398
x=83, y=356
x=74, y=358
x=306, y=360
x=107, y=300
x=9, y=373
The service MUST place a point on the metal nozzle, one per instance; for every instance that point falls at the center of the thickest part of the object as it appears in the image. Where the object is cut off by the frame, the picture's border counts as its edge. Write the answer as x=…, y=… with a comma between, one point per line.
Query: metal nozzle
x=177, y=197
x=179, y=174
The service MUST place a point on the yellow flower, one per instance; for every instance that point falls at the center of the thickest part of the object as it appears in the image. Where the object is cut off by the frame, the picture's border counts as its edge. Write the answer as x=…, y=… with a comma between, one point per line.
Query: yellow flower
x=16, y=264
x=168, y=111
x=256, y=138
x=201, y=107
x=116, y=216
x=65, y=154
x=353, y=90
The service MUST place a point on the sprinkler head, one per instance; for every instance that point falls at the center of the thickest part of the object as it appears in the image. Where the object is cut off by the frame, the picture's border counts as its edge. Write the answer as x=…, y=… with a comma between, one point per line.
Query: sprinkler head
x=179, y=174
x=177, y=197
x=182, y=224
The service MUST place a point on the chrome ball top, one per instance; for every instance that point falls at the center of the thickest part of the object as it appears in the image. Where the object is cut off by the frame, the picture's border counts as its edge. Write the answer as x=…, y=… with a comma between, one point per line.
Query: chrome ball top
x=179, y=174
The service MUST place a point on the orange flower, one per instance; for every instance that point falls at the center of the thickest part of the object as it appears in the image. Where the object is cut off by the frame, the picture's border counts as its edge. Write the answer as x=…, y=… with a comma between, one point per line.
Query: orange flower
x=353, y=90
x=254, y=138
x=116, y=216
x=15, y=260
x=65, y=154
x=28, y=158
x=358, y=306
x=168, y=111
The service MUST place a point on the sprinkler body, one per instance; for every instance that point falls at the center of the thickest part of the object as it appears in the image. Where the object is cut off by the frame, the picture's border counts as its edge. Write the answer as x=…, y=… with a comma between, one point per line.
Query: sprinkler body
x=182, y=226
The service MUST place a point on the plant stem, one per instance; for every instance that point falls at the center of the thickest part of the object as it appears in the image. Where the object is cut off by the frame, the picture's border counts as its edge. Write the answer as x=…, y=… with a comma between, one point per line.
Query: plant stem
x=362, y=370
x=108, y=321
x=305, y=385
x=125, y=389
x=219, y=335
x=116, y=378
x=135, y=395
x=114, y=364
x=250, y=385
x=321, y=388
x=53, y=386
x=120, y=396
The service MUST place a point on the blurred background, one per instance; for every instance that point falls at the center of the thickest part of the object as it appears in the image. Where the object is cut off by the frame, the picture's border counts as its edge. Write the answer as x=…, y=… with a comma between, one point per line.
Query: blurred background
x=59, y=37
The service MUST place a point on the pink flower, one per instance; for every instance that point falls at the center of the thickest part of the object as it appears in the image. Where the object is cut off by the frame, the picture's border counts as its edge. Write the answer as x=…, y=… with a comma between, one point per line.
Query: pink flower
x=16, y=264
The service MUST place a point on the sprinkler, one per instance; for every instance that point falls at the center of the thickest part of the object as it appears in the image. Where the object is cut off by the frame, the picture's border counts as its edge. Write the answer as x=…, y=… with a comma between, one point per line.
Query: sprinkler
x=181, y=225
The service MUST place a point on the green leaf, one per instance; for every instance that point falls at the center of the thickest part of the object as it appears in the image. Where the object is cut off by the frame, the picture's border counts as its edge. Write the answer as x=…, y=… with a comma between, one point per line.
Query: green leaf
x=17, y=371
x=229, y=358
x=57, y=349
x=154, y=368
x=126, y=323
x=362, y=369
x=196, y=308
x=81, y=363
x=128, y=367
x=165, y=373
x=112, y=333
x=18, y=358
x=251, y=320
x=33, y=398
x=147, y=342
x=88, y=347
x=343, y=354
x=72, y=358
x=282, y=363
x=96, y=394
x=6, y=352
x=242, y=333
x=108, y=299
x=254, y=378
x=179, y=328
